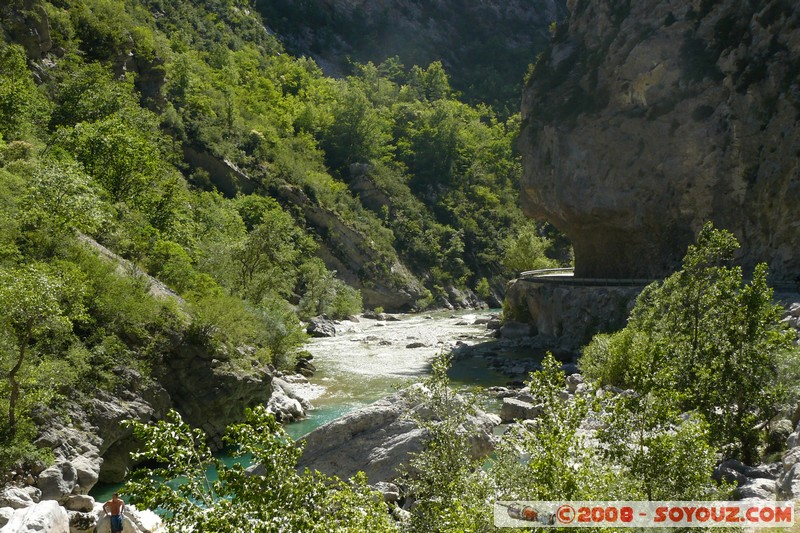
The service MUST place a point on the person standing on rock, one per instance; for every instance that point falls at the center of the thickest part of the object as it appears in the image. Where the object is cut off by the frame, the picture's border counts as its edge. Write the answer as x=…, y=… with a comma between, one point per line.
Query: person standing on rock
x=115, y=507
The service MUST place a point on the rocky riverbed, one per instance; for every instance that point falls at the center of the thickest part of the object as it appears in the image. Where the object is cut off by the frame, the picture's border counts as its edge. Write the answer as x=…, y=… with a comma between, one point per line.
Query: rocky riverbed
x=366, y=359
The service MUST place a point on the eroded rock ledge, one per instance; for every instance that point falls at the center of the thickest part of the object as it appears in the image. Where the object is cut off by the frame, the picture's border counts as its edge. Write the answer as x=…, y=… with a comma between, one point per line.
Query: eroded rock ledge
x=645, y=119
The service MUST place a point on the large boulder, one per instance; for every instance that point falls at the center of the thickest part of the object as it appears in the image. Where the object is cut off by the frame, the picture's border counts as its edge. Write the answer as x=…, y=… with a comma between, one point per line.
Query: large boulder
x=789, y=483
x=133, y=521
x=756, y=489
x=73, y=439
x=646, y=119
x=209, y=394
x=57, y=481
x=378, y=438
x=516, y=330
x=779, y=433
x=285, y=403
x=43, y=517
x=321, y=326
x=80, y=503
x=516, y=409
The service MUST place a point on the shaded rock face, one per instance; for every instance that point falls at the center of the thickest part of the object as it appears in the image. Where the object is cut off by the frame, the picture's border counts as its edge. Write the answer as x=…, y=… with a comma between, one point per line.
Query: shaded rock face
x=207, y=393
x=646, y=119
x=383, y=282
x=485, y=46
x=569, y=315
x=28, y=25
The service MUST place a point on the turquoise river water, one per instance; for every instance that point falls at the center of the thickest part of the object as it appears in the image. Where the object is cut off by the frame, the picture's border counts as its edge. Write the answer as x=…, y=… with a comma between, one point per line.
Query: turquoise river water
x=370, y=359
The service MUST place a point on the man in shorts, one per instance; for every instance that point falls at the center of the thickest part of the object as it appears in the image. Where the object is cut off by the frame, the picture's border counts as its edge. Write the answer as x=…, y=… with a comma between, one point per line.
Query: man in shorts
x=115, y=507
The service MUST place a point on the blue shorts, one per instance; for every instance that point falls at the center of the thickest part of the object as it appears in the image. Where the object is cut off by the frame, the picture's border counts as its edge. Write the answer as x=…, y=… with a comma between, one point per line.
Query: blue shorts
x=116, y=523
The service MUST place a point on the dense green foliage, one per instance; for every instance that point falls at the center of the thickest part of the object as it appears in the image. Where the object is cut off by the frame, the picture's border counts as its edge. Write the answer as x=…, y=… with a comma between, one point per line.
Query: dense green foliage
x=277, y=498
x=704, y=339
x=641, y=452
x=181, y=137
x=652, y=443
x=451, y=490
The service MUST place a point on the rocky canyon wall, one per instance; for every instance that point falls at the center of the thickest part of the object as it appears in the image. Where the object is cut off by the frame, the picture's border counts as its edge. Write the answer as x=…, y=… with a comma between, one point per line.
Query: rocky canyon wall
x=645, y=119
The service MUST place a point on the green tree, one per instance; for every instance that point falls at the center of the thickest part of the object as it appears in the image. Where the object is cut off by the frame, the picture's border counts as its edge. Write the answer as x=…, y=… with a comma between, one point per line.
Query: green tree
x=61, y=197
x=88, y=92
x=525, y=250
x=20, y=101
x=549, y=459
x=435, y=139
x=267, y=261
x=658, y=453
x=448, y=482
x=34, y=303
x=358, y=133
x=431, y=83
x=121, y=154
x=273, y=497
x=322, y=293
x=709, y=338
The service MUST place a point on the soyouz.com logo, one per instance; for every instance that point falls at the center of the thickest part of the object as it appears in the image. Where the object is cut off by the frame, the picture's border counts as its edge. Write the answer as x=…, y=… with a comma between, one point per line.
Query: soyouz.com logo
x=643, y=514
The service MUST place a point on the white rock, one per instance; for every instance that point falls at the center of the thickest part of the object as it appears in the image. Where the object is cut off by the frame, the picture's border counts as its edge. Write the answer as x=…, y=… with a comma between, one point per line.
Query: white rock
x=19, y=498
x=87, y=468
x=80, y=502
x=377, y=438
x=573, y=381
x=44, y=517
x=756, y=489
x=133, y=521
x=789, y=483
x=515, y=409
x=147, y=521
x=284, y=408
x=58, y=481
x=390, y=491
x=791, y=457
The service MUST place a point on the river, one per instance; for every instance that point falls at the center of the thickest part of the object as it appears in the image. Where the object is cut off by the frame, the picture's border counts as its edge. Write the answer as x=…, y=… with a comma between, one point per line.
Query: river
x=369, y=359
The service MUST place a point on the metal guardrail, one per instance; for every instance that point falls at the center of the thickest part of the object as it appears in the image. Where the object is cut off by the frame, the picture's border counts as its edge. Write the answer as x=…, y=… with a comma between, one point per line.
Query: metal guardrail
x=551, y=276
x=564, y=276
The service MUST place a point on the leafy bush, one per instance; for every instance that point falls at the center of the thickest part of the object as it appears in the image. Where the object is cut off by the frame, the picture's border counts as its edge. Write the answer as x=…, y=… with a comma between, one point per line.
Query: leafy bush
x=704, y=336
x=275, y=498
x=527, y=250
x=446, y=481
x=558, y=464
x=323, y=293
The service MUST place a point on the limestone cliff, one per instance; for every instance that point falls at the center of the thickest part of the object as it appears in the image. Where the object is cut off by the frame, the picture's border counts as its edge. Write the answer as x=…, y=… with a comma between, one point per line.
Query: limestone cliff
x=645, y=119
x=25, y=22
x=485, y=46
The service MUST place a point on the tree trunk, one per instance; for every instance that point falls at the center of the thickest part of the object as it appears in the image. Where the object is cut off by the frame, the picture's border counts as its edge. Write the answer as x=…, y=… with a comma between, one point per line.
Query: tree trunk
x=12, y=380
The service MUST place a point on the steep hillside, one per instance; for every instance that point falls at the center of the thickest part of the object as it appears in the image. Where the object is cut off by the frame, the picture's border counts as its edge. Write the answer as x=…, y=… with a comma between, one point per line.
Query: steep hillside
x=486, y=46
x=237, y=114
x=645, y=119
x=176, y=145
